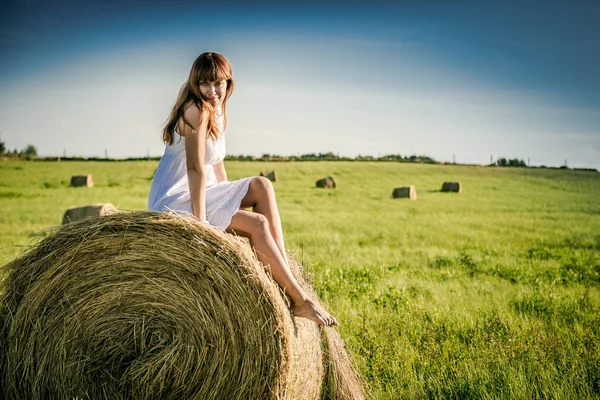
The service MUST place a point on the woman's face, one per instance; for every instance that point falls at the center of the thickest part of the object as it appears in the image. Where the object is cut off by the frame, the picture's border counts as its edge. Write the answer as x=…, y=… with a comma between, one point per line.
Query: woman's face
x=213, y=91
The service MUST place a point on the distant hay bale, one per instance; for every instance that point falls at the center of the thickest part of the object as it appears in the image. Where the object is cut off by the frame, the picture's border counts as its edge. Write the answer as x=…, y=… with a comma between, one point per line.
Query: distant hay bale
x=92, y=210
x=149, y=305
x=270, y=175
x=327, y=183
x=408, y=192
x=451, y=187
x=82, y=180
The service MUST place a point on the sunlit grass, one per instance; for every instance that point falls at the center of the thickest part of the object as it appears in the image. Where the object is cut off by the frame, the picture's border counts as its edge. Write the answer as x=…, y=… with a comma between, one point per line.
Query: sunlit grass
x=490, y=293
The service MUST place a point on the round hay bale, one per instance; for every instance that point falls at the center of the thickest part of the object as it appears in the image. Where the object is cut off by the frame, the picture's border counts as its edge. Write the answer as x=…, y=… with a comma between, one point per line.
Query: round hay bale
x=451, y=187
x=270, y=175
x=147, y=305
x=92, y=210
x=326, y=183
x=82, y=180
x=408, y=192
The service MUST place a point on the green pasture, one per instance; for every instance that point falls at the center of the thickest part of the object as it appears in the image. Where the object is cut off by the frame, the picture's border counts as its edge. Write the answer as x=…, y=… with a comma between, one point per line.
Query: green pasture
x=492, y=293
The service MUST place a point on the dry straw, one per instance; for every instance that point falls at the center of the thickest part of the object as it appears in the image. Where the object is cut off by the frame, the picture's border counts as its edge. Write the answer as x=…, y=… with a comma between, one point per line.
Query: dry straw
x=270, y=175
x=146, y=306
x=82, y=180
x=327, y=183
x=451, y=187
x=408, y=192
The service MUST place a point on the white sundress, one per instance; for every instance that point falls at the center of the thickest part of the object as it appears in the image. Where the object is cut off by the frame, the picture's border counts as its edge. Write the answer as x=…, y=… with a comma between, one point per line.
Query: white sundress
x=170, y=190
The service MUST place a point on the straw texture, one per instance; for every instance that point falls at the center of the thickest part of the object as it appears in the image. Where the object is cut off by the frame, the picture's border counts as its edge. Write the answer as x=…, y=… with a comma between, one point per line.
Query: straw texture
x=327, y=183
x=408, y=192
x=144, y=305
x=452, y=187
x=82, y=180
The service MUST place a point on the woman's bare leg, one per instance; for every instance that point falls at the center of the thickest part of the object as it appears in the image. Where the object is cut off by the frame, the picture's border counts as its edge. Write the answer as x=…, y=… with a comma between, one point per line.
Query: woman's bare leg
x=256, y=227
x=261, y=197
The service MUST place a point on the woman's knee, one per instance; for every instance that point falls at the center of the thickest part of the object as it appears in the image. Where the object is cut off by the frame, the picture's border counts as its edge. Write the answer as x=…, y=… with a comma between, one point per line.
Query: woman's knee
x=258, y=224
x=263, y=185
x=248, y=224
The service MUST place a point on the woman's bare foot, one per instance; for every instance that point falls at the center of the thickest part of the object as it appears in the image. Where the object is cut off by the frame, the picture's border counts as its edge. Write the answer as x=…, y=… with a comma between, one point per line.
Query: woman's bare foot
x=314, y=312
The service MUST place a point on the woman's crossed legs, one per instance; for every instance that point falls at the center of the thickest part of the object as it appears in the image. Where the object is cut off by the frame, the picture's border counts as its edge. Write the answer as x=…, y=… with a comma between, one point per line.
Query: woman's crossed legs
x=263, y=227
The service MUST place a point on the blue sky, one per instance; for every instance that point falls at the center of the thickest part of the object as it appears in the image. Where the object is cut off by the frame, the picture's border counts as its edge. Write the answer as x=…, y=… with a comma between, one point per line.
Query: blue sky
x=460, y=79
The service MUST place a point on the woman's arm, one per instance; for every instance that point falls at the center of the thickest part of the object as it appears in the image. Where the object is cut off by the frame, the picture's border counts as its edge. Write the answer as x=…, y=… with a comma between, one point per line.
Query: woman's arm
x=195, y=142
x=220, y=172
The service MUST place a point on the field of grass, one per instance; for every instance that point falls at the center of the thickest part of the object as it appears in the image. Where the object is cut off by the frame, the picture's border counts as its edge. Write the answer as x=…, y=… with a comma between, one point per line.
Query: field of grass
x=491, y=293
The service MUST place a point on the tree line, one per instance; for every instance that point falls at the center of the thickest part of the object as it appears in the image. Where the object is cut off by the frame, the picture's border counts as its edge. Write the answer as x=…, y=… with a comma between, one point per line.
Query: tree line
x=29, y=151
x=329, y=156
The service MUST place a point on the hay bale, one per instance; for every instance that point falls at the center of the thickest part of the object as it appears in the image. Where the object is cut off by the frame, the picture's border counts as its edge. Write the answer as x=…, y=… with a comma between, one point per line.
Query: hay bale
x=270, y=175
x=451, y=187
x=92, y=210
x=150, y=305
x=82, y=180
x=408, y=192
x=326, y=183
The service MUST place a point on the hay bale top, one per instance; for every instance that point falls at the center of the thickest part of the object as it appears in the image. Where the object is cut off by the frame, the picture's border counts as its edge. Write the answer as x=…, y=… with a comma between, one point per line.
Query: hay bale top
x=408, y=192
x=82, y=180
x=327, y=183
x=452, y=187
x=150, y=305
x=270, y=175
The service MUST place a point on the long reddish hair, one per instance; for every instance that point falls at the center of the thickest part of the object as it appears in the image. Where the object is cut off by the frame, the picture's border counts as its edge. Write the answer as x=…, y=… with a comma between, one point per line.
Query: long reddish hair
x=207, y=67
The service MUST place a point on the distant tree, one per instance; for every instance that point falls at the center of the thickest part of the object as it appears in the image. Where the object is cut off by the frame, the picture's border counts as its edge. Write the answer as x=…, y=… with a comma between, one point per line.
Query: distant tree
x=2, y=147
x=515, y=162
x=30, y=151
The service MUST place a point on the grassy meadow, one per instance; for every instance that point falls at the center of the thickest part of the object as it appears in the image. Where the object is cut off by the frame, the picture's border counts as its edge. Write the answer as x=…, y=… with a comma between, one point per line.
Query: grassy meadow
x=491, y=293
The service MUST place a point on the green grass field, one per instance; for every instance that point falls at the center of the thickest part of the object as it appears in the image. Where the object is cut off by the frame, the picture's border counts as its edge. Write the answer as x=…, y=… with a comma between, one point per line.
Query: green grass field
x=491, y=293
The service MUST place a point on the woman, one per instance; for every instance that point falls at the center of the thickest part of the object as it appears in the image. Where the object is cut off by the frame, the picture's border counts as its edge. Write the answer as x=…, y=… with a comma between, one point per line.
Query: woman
x=191, y=178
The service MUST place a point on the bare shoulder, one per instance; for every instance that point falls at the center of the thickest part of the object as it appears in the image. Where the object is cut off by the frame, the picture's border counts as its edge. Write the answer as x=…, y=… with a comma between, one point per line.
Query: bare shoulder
x=192, y=116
